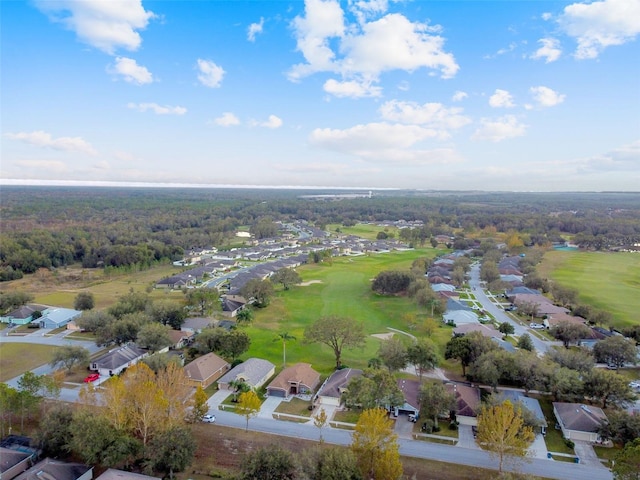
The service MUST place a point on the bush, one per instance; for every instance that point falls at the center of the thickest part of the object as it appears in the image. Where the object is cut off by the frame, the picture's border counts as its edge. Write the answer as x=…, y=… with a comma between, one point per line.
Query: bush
x=569, y=443
x=453, y=425
x=427, y=426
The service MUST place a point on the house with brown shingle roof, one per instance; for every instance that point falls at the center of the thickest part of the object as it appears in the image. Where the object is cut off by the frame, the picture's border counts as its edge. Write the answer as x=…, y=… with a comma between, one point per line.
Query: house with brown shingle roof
x=180, y=338
x=467, y=400
x=331, y=391
x=205, y=370
x=13, y=462
x=578, y=421
x=295, y=380
x=411, y=391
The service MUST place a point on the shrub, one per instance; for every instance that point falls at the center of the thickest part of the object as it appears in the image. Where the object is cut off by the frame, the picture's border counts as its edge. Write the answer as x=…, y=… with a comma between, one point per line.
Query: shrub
x=569, y=443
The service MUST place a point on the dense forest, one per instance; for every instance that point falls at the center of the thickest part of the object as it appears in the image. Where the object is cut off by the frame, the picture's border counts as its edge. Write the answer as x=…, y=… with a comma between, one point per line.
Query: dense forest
x=115, y=227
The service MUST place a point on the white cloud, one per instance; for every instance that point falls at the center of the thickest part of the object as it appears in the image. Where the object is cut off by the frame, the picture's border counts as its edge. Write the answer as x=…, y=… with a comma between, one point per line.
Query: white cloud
x=625, y=158
x=499, y=129
x=546, y=16
x=130, y=71
x=549, y=51
x=351, y=88
x=106, y=25
x=459, y=96
x=40, y=166
x=46, y=140
x=227, y=119
x=434, y=115
x=599, y=25
x=512, y=46
x=210, y=74
x=272, y=122
x=501, y=99
x=157, y=109
x=546, y=97
x=254, y=29
x=361, y=51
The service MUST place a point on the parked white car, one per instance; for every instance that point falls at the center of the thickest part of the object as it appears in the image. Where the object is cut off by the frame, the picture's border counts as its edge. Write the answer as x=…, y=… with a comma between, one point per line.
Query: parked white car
x=209, y=419
x=536, y=326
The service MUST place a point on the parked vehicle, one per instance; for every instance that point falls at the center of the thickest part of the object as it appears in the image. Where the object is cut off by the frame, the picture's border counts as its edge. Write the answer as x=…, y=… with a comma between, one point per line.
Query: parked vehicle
x=536, y=326
x=92, y=378
x=413, y=418
x=209, y=419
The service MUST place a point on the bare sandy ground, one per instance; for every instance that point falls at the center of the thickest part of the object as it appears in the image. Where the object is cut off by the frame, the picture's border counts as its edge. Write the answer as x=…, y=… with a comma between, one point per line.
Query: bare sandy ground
x=310, y=282
x=383, y=336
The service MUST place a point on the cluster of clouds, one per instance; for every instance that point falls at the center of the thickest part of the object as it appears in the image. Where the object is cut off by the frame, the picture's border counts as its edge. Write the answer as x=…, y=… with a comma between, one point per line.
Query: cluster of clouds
x=354, y=44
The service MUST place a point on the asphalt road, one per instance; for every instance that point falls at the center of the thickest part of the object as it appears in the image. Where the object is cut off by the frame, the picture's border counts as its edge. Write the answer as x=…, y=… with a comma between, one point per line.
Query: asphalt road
x=498, y=313
x=419, y=449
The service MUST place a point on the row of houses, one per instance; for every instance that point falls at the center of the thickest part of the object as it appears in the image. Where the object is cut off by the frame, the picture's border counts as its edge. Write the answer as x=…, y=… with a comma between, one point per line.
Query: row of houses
x=41, y=315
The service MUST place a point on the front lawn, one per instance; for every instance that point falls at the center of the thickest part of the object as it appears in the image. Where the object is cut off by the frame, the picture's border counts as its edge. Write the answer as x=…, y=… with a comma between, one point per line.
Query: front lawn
x=17, y=358
x=295, y=406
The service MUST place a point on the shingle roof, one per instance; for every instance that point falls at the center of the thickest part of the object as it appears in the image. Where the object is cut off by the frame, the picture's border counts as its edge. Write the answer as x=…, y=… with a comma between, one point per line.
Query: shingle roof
x=49, y=469
x=299, y=373
x=113, y=474
x=203, y=367
x=580, y=417
x=10, y=458
x=119, y=356
x=338, y=381
x=251, y=370
x=467, y=398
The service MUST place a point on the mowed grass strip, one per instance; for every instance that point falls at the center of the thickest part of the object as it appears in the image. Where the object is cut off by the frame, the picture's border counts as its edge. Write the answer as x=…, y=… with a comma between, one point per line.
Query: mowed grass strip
x=17, y=358
x=342, y=288
x=605, y=280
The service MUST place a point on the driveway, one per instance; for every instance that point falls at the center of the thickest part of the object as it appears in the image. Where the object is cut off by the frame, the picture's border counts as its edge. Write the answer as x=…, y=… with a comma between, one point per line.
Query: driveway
x=403, y=427
x=587, y=455
x=465, y=437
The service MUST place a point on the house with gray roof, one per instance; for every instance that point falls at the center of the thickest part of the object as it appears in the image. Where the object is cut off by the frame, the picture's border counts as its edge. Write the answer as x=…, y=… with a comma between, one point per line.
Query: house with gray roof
x=578, y=421
x=254, y=372
x=49, y=469
x=331, y=391
x=13, y=462
x=114, y=474
x=118, y=359
x=57, y=317
x=460, y=317
x=531, y=404
x=22, y=315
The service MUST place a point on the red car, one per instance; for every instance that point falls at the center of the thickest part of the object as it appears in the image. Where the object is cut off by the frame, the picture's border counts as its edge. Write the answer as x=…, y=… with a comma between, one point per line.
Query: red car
x=92, y=378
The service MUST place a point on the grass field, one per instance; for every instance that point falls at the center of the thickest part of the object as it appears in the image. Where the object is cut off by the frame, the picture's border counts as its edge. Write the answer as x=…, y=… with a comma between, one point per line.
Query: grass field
x=17, y=358
x=607, y=281
x=343, y=289
x=363, y=230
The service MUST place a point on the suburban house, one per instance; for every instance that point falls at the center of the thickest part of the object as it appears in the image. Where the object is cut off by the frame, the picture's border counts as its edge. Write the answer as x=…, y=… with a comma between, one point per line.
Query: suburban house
x=232, y=304
x=295, y=380
x=467, y=400
x=114, y=474
x=55, y=469
x=197, y=324
x=460, y=317
x=410, y=389
x=22, y=315
x=487, y=330
x=254, y=372
x=57, y=317
x=531, y=404
x=13, y=462
x=205, y=370
x=578, y=421
x=118, y=359
x=180, y=338
x=543, y=304
x=331, y=391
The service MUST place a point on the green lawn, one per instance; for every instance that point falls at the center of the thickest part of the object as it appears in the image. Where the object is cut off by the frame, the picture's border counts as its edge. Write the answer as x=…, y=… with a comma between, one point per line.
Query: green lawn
x=295, y=406
x=342, y=288
x=608, y=281
x=17, y=358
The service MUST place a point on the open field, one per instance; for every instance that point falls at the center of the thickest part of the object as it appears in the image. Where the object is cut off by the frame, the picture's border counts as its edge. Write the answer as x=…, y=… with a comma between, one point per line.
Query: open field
x=222, y=449
x=343, y=289
x=608, y=281
x=17, y=358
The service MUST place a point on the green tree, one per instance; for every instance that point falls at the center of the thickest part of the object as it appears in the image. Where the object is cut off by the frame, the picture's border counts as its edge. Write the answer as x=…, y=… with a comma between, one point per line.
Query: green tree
x=468, y=348
x=506, y=328
x=248, y=405
x=337, y=333
x=245, y=315
x=423, y=356
x=153, y=336
x=258, y=292
x=9, y=397
x=610, y=388
x=272, y=463
x=525, y=343
x=92, y=321
x=627, y=462
x=376, y=446
x=580, y=360
x=393, y=354
x=502, y=432
x=84, y=301
x=167, y=312
x=621, y=426
x=54, y=430
x=489, y=271
x=203, y=299
x=332, y=463
x=568, y=332
x=565, y=384
x=11, y=300
x=284, y=337
x=616, y=350
x=234, y=343
x=374, y=388
x=69, y=356
x=286, y=277
x=172, y=450
x=435, y=400
x=320, y=420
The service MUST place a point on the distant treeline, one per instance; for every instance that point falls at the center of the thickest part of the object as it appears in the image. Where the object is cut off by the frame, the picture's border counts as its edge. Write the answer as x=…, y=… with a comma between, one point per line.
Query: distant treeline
x=115, y=227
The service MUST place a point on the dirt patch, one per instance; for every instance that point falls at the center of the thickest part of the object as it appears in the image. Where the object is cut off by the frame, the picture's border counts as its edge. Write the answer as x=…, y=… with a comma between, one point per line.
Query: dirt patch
x=383, y=336
x=310, y=282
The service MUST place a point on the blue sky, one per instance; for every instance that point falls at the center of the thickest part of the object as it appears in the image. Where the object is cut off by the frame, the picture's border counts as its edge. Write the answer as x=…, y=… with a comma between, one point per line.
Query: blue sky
x=455, y=95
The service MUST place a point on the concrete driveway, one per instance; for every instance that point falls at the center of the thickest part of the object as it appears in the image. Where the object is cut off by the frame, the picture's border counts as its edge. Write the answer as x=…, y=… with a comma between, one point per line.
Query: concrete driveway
x=465, y=437
x=587, y=455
